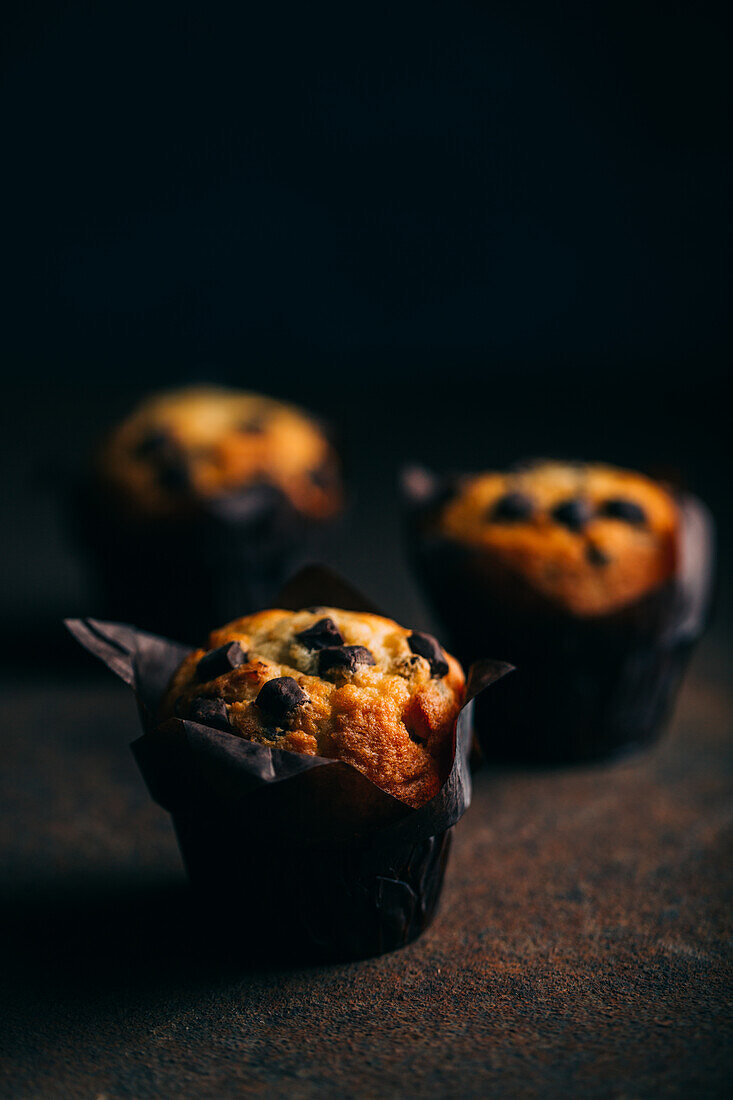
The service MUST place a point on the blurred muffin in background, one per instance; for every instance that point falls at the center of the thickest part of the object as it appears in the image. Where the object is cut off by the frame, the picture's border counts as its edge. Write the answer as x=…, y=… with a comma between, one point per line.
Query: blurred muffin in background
x=198, y=444
x=594, y=581
x=201, y=502
x=587, y=539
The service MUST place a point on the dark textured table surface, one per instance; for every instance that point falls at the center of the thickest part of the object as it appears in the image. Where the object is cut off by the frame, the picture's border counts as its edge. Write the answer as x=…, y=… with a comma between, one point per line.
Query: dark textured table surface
x=582, y=946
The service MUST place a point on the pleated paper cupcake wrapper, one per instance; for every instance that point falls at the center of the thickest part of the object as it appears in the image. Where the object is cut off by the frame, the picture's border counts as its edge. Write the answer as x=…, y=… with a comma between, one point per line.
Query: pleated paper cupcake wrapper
x=177, y=576
x=584, y=689
x=316, y=852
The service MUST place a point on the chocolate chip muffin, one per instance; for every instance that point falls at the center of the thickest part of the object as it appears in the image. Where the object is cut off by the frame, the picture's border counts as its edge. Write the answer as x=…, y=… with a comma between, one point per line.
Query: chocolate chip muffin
x=593, y=581
x=343, y=685
x=206, y=442
x=589, y=539
x=201, y=503
x=333, y=861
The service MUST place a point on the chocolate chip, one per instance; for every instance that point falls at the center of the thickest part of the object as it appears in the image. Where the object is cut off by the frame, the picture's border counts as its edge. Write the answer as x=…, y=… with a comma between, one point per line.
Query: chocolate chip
x=627, y=510
x=343, y=659
x=218, y=661
x=595, y=555
x=174, y=473
x=280, y=698
x=425, y=645
x=209, y=712
x=573, y=513
x=153, y=442
x=321, y=635
x=511, y=508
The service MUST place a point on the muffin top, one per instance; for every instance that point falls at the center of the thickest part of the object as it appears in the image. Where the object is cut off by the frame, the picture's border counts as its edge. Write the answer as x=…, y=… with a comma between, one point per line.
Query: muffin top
x=340, y=684
x=588, y=537
x=204, y=442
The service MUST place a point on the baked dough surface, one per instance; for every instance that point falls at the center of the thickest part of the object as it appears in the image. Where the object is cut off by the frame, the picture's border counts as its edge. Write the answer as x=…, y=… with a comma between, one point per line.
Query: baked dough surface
x=591, y=538
x=344, y=685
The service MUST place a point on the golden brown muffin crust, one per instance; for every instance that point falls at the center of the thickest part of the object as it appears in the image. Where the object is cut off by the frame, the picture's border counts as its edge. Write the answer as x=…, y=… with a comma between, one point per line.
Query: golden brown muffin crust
x=206, y=441
x=590, y=538
x=344, y=685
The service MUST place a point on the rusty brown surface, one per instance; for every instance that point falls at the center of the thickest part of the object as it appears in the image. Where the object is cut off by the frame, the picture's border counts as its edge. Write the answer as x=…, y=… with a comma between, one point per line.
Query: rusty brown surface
x=582, y=947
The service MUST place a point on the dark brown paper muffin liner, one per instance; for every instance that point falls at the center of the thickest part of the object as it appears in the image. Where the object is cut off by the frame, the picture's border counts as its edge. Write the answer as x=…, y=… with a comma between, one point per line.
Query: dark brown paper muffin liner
x=584, y=689
x=177, y=576
x=309, y=849
x=348, y=901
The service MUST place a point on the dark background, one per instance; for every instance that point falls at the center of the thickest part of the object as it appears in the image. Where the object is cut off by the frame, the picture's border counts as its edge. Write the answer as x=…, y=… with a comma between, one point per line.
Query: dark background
x=465, y=233
x=372, y=188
